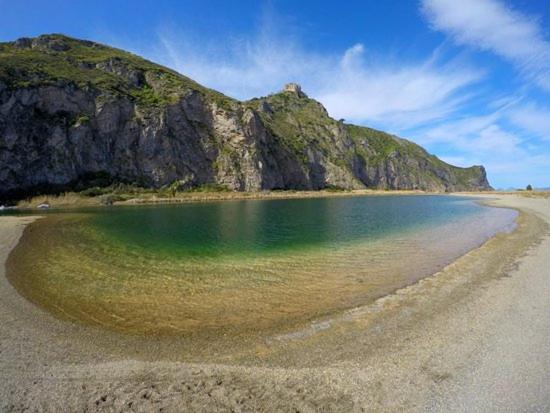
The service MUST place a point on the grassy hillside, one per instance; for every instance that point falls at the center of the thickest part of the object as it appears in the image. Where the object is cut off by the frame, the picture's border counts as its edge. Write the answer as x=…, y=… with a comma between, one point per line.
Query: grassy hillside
x=54, y=59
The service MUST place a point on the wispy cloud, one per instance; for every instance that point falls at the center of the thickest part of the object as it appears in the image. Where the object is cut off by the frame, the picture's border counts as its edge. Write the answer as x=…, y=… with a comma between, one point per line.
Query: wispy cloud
x=479, y=135
x=398, y=96
x=351, y=84
x=491, y=25
x=533, y=119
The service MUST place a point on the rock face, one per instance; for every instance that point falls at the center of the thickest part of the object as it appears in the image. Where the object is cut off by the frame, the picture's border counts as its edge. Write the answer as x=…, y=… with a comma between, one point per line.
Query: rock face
x=75, y=114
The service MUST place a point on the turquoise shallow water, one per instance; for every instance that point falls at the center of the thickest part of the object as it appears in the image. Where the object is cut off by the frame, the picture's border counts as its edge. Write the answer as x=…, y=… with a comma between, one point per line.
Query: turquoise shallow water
x=240, y=267
x=260, y=227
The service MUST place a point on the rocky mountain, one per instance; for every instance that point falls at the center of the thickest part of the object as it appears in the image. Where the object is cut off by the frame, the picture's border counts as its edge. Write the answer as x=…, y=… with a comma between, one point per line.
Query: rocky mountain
x=76, y=113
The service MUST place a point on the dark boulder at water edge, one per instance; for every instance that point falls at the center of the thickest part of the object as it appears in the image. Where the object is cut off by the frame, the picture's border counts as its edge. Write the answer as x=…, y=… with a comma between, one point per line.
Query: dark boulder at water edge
x=76, y=114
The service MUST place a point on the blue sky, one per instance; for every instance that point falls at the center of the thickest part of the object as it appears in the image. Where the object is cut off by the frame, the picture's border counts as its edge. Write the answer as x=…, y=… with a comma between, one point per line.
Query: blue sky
x=469, y=80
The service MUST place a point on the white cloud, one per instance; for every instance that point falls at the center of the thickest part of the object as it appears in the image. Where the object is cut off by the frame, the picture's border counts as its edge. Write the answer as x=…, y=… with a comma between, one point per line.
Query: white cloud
x=482, y=135
x=492, y=26
x=242, y=68
x=495, y=140
x=349, y=59
x=455, y=132
x=402, y=95
x=532, y=119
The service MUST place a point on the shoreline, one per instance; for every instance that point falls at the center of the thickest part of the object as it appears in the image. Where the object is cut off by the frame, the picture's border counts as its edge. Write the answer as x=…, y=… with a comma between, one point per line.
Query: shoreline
x=75, y=200
x=50, y=348
x=72, y=200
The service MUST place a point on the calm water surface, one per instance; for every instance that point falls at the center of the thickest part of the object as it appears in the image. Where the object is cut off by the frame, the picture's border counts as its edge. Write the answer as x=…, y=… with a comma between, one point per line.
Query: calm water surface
x=242, y=266
x=264, y=227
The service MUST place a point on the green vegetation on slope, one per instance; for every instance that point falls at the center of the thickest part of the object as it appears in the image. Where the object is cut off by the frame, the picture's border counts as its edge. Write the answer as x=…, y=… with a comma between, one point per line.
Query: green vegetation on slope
x=301, y=123
x=375, y=146
x=297, y=122
x=54, y=59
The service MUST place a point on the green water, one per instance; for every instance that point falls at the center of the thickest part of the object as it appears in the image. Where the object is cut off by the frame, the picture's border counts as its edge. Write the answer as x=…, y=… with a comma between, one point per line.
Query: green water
x=240, y=268
x=262, y=227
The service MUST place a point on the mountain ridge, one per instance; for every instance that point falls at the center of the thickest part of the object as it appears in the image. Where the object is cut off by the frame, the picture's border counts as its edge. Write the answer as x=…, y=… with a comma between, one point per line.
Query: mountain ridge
x=75, y=114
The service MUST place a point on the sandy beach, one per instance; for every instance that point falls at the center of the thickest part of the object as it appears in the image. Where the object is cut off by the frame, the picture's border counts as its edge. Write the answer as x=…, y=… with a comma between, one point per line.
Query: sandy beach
x=472, y=337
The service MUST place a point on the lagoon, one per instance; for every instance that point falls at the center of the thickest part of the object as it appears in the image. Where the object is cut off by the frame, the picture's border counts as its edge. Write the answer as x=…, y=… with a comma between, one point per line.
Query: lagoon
x=238, y=268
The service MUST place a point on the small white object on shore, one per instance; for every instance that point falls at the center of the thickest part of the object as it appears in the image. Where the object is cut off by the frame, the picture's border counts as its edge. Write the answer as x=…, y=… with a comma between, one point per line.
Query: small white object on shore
x=44, y=205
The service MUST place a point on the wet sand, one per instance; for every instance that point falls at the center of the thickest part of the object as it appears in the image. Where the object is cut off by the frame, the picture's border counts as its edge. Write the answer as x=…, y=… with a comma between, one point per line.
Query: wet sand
x=473, y=337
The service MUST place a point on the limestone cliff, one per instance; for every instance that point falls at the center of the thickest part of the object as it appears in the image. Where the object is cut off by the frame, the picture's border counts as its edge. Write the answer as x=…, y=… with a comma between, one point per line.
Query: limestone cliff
x=76, y=113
